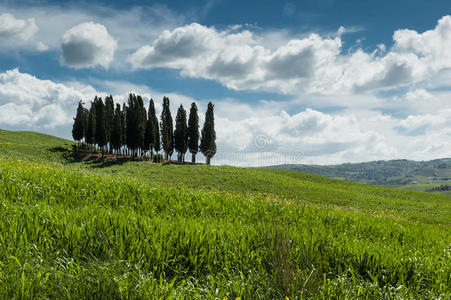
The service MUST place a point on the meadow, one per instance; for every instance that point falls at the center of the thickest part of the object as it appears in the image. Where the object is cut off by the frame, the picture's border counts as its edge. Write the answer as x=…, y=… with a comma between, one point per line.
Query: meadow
x=138, y=230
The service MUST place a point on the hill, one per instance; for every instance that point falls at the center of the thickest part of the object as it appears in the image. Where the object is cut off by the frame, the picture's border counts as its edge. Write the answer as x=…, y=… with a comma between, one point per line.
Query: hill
x=92, y=229
x=406, y=174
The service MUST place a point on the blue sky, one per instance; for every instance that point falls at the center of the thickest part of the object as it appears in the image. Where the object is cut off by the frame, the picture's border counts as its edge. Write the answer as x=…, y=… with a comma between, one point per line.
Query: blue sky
x=293, y=81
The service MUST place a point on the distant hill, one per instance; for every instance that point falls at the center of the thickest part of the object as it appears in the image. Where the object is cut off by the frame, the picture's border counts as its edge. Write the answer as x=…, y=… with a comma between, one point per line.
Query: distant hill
x=395, y=173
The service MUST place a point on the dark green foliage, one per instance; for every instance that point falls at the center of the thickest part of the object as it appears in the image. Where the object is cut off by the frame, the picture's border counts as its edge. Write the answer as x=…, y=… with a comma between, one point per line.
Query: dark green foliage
x=85, y=121
x=109, y=111
x=157, y=158
x=156, y=137
x=77, y=129
x=132, y=123
x=167, y=134
x=180, y=134
x=116, y=134
x=101, y=134
x=124, y=124
x=91, y=130
x=151, y=131
x=193, y=131
x=141, y=116
x=208, y=140
x=136, y=123
x=140, y=130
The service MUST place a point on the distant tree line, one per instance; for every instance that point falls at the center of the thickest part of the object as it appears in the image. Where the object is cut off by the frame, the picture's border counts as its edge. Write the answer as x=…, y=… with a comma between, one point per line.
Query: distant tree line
x=441, y=188
x=133, y=130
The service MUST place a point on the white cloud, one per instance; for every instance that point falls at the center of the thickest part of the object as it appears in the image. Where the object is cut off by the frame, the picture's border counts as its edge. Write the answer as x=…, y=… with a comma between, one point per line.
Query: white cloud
x=131, y=28
x=40, y=46
x=315, y=137
x=28, y=102
x=247, y=135
x=312, y=64
x=16, y=29
x=87, y=45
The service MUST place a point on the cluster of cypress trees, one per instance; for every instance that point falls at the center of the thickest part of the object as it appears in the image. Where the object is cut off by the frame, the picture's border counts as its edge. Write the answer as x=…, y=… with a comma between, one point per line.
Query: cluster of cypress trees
x=133, y=130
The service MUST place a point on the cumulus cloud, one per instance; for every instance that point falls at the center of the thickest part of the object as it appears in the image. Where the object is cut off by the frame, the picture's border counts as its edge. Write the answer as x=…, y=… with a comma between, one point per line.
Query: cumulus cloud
x=240, y=60
x=247, y=135
x=28, y=102
x=16, y=29
x=87, y=45
x=314, y=137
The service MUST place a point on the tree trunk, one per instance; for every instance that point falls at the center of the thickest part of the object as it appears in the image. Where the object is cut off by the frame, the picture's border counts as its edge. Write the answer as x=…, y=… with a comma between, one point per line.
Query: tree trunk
x=193, y=158
x=208, y=160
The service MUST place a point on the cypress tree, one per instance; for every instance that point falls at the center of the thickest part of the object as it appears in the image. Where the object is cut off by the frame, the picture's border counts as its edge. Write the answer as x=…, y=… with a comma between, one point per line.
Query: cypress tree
x=167, y=134
x=193, y=132
x=149, y=139
x=84, y=121
x=132, y=125
x=109, y=111
x=208, y=140
x=141, y=122
x=116, y=134
x=91, y=130
x=101, y=138
x=180, y=134
x=123, y=124
x=156, y=134
x=77, y=129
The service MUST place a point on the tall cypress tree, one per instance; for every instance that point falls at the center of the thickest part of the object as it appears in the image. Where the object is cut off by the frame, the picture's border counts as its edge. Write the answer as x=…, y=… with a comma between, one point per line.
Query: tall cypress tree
x=85, y=121
x=101, y=137
x=156, y=134
x=109, y=111
x=167, y=134
x=124, y=124
x=91, y=130
x=116, y=134
x=208, y=140
x=180, y=134
x=141, y=122
x=77, y=129
x=193, y=132
x=132, y=123
x=149, y=140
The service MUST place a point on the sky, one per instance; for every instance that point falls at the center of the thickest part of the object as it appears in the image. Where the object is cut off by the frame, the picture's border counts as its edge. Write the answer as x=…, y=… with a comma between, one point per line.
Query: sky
x=311, y=81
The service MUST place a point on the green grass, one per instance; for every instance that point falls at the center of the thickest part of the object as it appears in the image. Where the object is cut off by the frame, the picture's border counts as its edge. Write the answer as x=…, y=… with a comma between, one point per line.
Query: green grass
x=296, y=186
x=427, y=188
x=384, y=173
x=138, y=230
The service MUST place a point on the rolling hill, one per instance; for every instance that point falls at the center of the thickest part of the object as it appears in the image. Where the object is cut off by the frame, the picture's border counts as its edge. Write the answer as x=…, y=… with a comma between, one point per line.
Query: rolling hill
x=118, y=229
x=405, y=174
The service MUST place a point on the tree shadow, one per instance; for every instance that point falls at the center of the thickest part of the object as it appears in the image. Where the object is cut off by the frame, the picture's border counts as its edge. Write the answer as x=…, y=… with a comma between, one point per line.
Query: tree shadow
x=59, y=149
x=95, y=159
x=99, y=164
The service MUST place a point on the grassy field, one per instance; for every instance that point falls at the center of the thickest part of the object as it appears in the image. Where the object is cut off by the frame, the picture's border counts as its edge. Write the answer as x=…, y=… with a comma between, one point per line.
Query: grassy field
x=401, y=173
x=72, y=229
x=426, y=187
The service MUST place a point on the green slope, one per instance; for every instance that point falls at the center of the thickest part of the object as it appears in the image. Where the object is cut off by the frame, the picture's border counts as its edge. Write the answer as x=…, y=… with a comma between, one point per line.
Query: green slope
x=299, y=187
x=139, y=230
x=33, y=146
x=402, y=173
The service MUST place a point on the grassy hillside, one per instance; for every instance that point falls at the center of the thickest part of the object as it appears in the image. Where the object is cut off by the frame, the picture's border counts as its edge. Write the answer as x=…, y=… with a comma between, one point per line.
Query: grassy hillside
x=141, y=230
x=404, y=174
